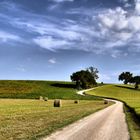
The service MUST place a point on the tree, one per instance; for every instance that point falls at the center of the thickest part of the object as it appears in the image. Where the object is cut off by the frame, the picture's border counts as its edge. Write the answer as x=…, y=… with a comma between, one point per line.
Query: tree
x=136, y=80
x=83, y=79
x=94, y=72
x=126, y=77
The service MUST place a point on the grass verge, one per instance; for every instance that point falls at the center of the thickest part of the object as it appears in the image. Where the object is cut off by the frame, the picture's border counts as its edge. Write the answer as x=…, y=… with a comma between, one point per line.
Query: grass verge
x=131, y=98
x=133, y=122
x=32, y=119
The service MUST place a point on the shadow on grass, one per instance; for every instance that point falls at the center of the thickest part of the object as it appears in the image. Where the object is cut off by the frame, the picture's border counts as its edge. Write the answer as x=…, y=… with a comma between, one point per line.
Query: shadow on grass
x=132, y=88
x=61, y=85
x=129, y=111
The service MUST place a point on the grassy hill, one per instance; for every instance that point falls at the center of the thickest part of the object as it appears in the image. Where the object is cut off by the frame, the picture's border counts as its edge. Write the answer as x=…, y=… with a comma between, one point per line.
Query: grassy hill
x=34, y=89
x=131, y=97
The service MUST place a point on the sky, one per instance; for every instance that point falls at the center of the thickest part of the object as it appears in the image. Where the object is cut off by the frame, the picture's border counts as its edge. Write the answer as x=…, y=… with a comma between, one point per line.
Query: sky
x=51, y=39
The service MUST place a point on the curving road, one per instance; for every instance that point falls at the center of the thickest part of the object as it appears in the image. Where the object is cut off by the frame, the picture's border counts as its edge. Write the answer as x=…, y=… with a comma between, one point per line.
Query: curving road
x=106, y=124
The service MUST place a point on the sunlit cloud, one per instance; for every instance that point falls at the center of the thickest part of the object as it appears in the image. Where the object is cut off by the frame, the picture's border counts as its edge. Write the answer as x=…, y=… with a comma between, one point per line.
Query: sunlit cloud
x=50, y=43
x=52, y=61
x=5, y=36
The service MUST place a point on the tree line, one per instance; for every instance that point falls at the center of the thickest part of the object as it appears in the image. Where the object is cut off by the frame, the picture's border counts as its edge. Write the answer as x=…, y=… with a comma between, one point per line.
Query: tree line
x=127, y=77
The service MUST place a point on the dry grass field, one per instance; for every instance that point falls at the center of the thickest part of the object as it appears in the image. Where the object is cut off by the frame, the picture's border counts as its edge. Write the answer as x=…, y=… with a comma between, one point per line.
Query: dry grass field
x=31, y=119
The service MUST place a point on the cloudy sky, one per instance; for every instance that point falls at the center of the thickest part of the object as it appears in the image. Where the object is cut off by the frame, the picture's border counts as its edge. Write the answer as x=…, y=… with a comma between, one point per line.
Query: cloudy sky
x=50, y=39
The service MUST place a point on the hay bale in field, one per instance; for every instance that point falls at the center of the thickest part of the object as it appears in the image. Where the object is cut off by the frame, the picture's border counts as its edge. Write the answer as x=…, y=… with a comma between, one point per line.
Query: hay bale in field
x=105, y=102
x=41, y=98
x=76, y=101
x=57, y=103
x=84, y=93
x=46, y=99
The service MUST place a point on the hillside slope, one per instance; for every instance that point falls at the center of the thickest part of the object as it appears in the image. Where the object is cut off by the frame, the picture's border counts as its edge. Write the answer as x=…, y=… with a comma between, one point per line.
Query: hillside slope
x=34, y=89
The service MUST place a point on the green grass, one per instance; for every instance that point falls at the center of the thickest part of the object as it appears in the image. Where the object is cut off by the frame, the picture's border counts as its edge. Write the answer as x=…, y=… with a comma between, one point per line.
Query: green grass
x=31, y=119
x=34, y=89
x=23, y=117
x=131, y=97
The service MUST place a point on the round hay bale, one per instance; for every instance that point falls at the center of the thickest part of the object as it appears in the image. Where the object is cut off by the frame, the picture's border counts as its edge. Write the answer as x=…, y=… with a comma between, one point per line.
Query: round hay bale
x=57, y=103
x=84, y=93
x=41, y=98
x=46, y=99
x=76, y=102
x=105, y=102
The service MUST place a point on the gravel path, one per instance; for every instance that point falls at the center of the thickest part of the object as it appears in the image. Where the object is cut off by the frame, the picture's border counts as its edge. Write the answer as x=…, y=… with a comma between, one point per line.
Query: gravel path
x=106, y=124
x=81, y=92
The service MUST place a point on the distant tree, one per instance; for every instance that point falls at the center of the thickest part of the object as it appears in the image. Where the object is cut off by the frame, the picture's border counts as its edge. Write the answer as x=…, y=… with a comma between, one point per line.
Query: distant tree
x=76, y=77
x=136, y=81
x=94, y=72
x=126, y=77
x=83, y=79
x=132, y=80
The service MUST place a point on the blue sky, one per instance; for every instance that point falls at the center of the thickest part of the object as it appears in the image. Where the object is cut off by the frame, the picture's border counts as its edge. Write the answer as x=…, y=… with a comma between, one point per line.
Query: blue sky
x=51, y=39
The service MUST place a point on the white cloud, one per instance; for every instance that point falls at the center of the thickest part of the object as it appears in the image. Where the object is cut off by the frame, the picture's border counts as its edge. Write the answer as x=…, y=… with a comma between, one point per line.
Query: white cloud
x=126, y=3
x=50, y=43
x=118, y=24
x=113, y=20
x=54, y=6
x=5, y=36
x=137, y=6
x=21, y=68
x=112, y=31
x=52, y=61
x=134, y=23
x=62, y=0
x=51, y=29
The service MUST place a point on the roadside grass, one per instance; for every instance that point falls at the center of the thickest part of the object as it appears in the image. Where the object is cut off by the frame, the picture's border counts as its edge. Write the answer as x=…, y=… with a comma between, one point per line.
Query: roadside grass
x=34, y=89
x=31, y=119
x=131, y=97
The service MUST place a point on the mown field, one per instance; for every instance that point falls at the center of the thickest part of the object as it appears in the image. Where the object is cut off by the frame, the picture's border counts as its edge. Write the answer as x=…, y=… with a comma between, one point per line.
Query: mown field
x=24, y=116
x=34, y=89
x=31, y=119
x=130, y=96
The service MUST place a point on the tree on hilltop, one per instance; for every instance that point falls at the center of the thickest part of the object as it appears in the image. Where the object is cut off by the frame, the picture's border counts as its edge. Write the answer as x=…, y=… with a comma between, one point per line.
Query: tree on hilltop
x=94, y=72
x=126, y=77
x=136, y=81
x=85, y=78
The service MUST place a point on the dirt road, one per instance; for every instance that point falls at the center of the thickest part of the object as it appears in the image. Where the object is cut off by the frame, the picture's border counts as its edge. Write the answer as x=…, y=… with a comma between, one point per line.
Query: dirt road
x=107, y=124
x=81, y=92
